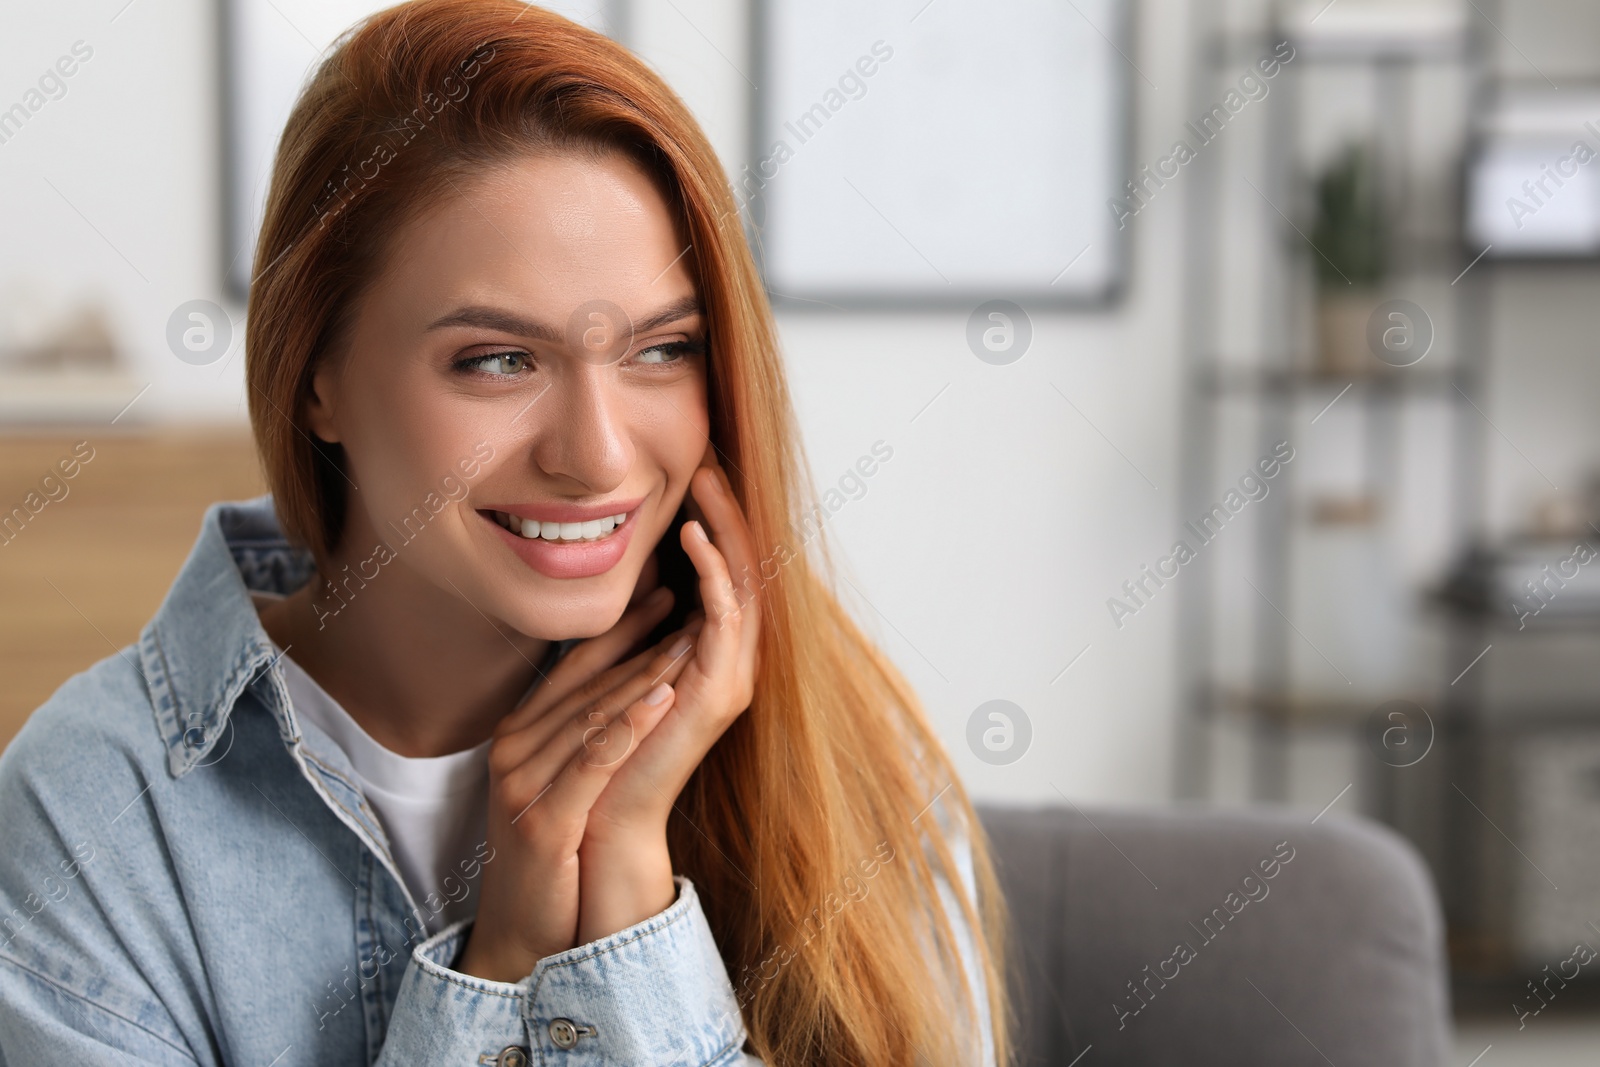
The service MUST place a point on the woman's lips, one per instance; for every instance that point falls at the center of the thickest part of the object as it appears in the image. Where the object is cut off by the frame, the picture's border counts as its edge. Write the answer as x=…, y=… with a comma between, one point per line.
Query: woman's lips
x=568, y=559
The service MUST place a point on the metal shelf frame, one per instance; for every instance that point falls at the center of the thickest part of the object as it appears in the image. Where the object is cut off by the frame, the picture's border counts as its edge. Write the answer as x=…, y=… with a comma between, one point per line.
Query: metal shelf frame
x=1280, y=379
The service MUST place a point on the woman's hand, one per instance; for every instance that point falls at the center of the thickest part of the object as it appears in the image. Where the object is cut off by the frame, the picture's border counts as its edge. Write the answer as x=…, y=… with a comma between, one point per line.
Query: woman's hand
x=548, y=762
x=626, y=871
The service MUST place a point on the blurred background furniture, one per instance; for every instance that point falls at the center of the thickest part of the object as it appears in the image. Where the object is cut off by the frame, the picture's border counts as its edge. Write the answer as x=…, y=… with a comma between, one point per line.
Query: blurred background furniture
x=1340, y=958
x=1348, y=190
x=1386, y=567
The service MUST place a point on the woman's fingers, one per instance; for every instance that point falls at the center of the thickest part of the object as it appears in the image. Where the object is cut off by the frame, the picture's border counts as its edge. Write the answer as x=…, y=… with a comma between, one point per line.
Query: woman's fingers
x=588, y=659
x=717, y=686
x=746, y=569
x=718, y=645
x=577, y=715
x=729, y=531
x=557, y=808
x=729, y=580
x=714, y=688
x=549, y=741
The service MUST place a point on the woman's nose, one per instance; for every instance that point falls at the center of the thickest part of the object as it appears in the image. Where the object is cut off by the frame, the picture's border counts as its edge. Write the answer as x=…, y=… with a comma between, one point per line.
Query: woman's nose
x=583, y=432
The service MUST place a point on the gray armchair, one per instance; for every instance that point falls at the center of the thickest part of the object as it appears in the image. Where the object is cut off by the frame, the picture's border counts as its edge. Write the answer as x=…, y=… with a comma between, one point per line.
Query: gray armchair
x=1206, y=937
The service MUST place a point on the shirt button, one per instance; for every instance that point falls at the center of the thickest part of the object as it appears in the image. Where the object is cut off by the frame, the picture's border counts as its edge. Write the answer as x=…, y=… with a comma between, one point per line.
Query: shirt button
x=512, y=1056
x=565, y=1032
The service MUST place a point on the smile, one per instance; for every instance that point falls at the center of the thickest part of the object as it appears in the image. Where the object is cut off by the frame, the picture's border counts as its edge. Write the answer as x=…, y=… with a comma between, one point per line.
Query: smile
x=569, y=532
x=564, y=540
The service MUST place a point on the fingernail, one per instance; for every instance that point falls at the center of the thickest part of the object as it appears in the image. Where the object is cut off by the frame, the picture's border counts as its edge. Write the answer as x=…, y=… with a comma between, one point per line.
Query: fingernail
x=680, y=646
x=700, y=531
x=658, y=694
x=658, y=597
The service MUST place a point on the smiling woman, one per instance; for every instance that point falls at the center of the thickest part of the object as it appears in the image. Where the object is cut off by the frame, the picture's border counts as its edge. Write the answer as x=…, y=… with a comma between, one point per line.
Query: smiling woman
x=573, y=765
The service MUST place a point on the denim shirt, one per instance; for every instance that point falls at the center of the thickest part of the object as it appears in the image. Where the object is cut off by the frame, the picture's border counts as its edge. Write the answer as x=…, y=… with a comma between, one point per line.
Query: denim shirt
x=190, y=875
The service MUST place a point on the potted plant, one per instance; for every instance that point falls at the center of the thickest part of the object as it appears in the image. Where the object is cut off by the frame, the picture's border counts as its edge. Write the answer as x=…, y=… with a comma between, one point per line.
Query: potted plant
x=1351, y=262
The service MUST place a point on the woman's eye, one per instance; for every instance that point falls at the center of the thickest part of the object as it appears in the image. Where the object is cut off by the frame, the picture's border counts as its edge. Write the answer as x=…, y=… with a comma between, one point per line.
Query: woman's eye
x=671, y=352
x=511, y=363
x=496, y=363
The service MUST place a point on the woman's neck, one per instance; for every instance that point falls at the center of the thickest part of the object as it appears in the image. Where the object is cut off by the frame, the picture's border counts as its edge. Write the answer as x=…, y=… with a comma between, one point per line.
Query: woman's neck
x=419, y=668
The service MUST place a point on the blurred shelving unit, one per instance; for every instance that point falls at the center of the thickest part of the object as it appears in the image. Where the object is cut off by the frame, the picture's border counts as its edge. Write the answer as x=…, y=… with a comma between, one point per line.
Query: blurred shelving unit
x=1307, y=624
x=1317, y=623
x=1260, y=372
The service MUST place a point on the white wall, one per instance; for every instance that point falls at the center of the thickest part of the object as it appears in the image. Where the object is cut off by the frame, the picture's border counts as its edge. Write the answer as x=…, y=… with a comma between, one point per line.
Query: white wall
x=984, y=550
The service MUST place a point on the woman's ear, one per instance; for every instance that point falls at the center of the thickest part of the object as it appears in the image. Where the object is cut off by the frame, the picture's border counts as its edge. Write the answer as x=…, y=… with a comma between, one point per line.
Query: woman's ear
x=320, y=408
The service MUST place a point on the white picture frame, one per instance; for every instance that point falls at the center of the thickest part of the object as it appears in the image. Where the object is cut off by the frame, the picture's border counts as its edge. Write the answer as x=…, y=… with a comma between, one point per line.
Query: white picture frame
x=916, y=153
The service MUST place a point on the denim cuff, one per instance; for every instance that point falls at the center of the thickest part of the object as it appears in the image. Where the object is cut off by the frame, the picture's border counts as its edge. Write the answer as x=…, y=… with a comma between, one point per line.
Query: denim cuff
x=656, y=994
x=444, y=1017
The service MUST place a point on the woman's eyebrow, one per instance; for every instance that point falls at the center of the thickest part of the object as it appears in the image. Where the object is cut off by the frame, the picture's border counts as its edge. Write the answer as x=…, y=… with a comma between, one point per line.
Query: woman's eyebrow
x=493, y=318
x=678, y=309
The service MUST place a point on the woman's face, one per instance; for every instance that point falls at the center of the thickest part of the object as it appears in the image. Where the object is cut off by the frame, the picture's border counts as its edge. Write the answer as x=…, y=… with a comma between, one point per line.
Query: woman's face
x=528, y=366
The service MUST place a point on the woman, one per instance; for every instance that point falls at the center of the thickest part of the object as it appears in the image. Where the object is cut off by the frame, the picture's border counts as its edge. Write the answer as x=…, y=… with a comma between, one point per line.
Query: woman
x=519, y=722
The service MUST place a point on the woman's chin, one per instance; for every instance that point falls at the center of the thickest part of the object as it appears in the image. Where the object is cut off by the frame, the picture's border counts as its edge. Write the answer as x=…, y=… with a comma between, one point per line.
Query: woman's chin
x=560, y=624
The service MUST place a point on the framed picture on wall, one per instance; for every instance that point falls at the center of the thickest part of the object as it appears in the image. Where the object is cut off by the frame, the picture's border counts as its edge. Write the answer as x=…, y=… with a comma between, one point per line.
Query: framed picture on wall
x=916, y=153
x=270, y=48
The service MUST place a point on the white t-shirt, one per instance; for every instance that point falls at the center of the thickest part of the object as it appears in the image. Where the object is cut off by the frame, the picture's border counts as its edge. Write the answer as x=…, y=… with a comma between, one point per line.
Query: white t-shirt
x=433, y=808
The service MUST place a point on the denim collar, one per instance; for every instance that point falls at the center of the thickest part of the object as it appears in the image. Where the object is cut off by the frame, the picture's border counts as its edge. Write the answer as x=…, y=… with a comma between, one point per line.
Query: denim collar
x=205, y=646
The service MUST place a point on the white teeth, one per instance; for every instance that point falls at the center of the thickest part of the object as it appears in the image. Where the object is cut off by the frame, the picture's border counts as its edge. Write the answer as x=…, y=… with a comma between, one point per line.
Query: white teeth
x=592, y=530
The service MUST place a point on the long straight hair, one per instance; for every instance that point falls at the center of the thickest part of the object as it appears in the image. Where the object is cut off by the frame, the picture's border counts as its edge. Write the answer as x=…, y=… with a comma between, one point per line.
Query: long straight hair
x=807, y=828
